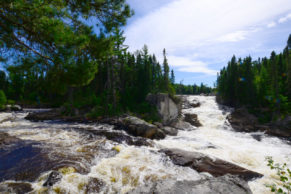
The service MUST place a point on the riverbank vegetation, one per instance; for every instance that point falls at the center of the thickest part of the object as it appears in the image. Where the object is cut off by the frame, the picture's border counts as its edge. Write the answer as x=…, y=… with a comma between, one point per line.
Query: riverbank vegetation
x=263, y=85
x=283, y=175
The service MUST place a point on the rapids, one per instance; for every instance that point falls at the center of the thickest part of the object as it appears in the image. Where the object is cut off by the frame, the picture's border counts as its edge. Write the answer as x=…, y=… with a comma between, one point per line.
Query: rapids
x=92, y=163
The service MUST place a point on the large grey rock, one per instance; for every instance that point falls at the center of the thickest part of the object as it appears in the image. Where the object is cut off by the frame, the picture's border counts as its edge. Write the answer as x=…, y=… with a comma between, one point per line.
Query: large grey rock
x=182, y=125
x=138, y=127
x=225, y=184
x=168, y=110
x=203, y=163
x=170, y=131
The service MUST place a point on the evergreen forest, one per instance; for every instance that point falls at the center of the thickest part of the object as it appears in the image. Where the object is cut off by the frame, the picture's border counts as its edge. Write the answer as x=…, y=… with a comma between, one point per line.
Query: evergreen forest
x=263, y=85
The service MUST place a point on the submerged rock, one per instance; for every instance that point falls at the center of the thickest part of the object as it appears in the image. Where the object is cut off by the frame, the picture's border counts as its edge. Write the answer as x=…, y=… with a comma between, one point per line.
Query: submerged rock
x=225, y=184
x=203, y=163
x=6, y=139
x=195, y=104
x=94, y=186
x=192, y=119
x=14, y=187
x=52, y=179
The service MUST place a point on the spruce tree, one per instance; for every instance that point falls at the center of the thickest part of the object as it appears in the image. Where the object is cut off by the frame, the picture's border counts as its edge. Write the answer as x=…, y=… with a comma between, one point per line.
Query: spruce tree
x=166, y=72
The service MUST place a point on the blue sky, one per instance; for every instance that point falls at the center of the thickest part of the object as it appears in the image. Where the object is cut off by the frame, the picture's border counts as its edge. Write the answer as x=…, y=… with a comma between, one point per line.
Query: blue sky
x=200, y=36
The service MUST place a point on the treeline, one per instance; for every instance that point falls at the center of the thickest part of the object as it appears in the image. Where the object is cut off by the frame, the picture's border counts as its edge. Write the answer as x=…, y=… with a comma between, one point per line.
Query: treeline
x=121, y=84
x=262, y=84
x=192, y=89
x=72, y=54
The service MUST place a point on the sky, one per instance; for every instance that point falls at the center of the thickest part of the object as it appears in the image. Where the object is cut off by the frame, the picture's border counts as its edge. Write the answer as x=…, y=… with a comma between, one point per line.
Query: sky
x=200, y=36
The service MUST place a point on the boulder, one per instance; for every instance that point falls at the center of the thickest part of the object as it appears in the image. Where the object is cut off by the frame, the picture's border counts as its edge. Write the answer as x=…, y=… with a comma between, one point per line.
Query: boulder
x=192, y=119
x=182, y=125
x=225, y=184
x=168, y=109
x=52, y=179
x=203, y=163
x=14, y=108
x=170, y=131
x=138, y=127
x=159, y=125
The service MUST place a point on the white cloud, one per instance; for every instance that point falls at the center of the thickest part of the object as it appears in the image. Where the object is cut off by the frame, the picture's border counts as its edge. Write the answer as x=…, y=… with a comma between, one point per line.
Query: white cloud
x=233, y=37
x=185, y=64
x=185, y=26
x=285, y=19
x=271, y=25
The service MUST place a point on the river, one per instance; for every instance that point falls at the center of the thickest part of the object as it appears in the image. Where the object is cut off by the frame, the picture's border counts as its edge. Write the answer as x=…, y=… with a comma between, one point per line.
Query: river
x=91, y=163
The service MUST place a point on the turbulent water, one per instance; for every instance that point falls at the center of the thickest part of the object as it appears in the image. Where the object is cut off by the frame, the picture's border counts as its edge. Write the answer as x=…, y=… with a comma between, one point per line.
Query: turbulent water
x=92, y=163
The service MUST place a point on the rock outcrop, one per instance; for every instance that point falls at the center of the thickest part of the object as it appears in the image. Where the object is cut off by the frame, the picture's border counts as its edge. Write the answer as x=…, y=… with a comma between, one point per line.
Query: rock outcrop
x=242, y=120
x=168, y=109
x=53, y=114
x=204, y=163
x=225, y=184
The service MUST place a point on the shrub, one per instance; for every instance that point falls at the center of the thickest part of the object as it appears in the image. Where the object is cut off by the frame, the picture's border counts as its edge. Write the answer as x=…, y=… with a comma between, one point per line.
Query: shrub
x=3, y=99
x=284, y=175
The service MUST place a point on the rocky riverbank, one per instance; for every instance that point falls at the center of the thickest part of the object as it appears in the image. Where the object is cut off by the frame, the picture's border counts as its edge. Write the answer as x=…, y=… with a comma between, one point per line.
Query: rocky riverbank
x=241, y=120
x=121, y=148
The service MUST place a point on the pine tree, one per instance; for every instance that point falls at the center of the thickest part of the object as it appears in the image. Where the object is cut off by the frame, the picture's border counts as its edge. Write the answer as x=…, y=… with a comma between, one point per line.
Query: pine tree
x=289, y=42
x=172, y=78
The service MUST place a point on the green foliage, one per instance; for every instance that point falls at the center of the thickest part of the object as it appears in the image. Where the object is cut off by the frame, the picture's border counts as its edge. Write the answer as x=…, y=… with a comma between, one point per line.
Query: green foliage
x=56, y=43
x=11, y=102
x=147, y=112
x=2, y=99
x=284, y=175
